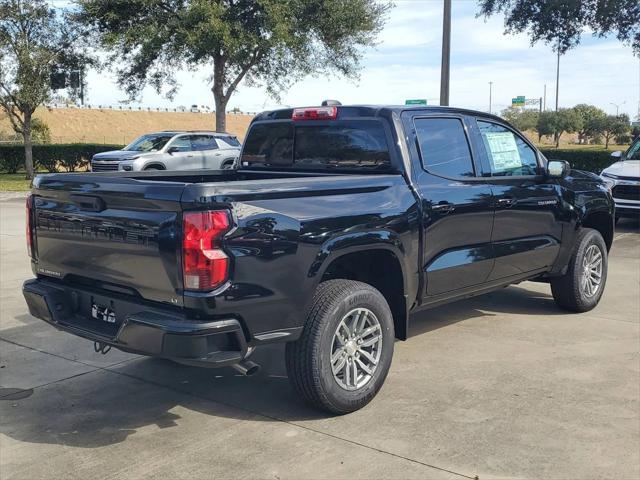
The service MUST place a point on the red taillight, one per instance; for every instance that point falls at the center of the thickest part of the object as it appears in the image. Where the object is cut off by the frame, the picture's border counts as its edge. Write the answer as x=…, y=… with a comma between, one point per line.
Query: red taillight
x=29, y=223
x=315, y=113
x=205, y=265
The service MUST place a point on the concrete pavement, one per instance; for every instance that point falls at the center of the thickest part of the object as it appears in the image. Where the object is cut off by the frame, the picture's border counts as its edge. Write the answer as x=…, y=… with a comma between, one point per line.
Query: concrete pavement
x=500, y=386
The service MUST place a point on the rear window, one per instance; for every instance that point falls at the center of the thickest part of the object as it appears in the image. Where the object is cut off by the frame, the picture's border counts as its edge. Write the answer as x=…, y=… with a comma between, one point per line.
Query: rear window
x=348, y=145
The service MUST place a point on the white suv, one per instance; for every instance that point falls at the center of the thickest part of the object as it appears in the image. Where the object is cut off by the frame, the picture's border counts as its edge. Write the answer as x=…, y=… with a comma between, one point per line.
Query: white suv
x=624, y=179
x=172, y=151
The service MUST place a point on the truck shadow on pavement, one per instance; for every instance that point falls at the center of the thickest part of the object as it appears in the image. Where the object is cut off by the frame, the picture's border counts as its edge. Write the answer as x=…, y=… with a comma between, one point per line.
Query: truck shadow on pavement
x=107, y=404
x=513, y=300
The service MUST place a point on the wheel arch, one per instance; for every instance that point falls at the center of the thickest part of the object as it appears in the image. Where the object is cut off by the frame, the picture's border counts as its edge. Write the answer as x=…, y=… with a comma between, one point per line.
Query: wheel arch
x=155, y=164
x=377, y=264
x=601, y=221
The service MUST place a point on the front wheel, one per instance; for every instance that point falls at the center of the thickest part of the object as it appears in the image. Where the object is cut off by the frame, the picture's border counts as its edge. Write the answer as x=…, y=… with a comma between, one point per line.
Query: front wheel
x=342, y=358
x=581, y=287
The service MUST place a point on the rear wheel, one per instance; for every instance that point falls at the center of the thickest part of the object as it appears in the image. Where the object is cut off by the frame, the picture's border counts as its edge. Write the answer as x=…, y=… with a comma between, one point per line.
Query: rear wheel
x=344, y=353
x=581, y=288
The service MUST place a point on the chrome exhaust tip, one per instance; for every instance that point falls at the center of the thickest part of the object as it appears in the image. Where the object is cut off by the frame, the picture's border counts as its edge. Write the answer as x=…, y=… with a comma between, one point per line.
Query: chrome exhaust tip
x=246, y=368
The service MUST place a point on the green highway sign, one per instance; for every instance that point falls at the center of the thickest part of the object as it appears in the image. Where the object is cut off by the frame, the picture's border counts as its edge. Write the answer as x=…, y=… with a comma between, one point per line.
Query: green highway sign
x=519, y=101
x=416, y=101
x=635, y=124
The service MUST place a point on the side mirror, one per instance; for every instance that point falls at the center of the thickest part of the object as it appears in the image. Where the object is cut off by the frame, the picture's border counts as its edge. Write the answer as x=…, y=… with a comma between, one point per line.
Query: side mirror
x=617, y=155
x=558, y=168
x=173, y=150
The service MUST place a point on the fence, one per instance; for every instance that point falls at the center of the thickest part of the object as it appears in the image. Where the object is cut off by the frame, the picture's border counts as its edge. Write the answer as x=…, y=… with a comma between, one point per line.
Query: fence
x=203, y=109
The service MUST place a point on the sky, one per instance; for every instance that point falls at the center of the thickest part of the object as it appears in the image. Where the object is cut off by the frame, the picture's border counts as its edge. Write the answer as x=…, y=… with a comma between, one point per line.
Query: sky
x=406, y=65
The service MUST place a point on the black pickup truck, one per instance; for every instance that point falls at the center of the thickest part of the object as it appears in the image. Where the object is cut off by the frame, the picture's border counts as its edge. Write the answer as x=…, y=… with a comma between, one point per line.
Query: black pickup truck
x=340, y=222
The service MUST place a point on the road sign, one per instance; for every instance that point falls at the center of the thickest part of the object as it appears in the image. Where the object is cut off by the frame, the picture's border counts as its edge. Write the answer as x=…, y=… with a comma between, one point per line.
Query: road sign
x=635, y=124
x=518, y=101
x=416, y=101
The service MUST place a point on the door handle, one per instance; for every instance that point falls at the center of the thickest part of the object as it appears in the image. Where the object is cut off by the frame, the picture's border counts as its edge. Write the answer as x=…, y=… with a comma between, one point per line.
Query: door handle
x=506, y=202
x=443, y=207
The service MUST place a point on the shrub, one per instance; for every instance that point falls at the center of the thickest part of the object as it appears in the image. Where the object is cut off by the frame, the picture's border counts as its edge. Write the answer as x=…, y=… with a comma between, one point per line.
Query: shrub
x=40, y=131
x=51, y=157
x=581, y=158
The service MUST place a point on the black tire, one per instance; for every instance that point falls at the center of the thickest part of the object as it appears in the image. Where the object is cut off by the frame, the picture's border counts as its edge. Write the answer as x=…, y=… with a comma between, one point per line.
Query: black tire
x=308, y=359
x=569, y=291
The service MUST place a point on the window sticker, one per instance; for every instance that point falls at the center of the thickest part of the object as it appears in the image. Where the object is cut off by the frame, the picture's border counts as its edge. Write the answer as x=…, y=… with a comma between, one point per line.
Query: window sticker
x=504, y=151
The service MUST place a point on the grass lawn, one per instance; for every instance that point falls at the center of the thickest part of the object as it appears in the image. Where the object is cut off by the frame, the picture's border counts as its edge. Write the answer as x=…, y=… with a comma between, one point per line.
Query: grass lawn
x=14, y=182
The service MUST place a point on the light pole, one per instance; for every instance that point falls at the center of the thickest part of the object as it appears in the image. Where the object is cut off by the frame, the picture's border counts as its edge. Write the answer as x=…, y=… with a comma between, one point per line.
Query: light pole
x=446, y=54
x=490, y=92
x=617, y=105
x=558, y=77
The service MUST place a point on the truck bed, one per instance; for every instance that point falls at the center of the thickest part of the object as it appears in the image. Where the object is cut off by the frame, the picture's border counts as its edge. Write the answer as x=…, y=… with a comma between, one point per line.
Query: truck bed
x=122, y=232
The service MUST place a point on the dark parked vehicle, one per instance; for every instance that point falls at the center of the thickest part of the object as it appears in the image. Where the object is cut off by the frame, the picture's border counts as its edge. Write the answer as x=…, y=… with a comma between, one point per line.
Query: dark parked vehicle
x=340, y=222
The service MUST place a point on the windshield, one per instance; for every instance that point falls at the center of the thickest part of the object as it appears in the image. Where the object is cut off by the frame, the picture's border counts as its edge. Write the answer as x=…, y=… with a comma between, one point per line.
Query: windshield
x=149, y=143
x=634, y=151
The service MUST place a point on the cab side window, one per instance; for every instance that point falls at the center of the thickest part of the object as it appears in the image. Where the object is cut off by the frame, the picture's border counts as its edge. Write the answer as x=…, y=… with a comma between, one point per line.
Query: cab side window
x=182, y=144
x=443, y=147
x=203, y=142
x=508, y=153
x=228, y=141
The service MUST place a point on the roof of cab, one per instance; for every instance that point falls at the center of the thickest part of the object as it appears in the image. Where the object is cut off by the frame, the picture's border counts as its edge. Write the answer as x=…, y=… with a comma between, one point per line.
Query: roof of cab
x=376, y=110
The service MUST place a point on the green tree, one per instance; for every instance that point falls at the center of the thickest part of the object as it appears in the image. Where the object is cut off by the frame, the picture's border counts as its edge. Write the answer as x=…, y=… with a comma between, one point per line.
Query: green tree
x=40, y=131
x=561, y=23
x=33, y=38
x=589, y=115
x=521, y=118
x=267, y=42
x=554, y=124
x=612, y=126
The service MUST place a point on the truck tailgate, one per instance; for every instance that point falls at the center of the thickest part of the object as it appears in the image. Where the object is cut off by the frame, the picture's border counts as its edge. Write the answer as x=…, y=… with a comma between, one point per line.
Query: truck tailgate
x=115, y=233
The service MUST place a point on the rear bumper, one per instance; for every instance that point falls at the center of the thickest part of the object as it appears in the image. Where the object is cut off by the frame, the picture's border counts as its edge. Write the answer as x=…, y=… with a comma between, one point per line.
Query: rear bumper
x=135, y=327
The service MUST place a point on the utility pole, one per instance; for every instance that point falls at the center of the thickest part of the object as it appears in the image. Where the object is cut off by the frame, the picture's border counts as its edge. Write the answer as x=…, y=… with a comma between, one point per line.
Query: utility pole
x=446, y=54
x=81, y=75
x=638, y=118
x=544, y=106
x=558, y=77
x=490, y=92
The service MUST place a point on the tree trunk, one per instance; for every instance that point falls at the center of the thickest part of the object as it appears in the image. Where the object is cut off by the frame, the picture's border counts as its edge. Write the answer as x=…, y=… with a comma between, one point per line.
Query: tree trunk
x=218, y=93
x=221, y=112
x=606, y=142
x=557, y=139
x=28, y=146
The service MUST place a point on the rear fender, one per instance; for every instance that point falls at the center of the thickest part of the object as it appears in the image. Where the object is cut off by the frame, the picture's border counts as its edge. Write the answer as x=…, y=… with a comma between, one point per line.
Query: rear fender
x=355, y=242
x=378, y=268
